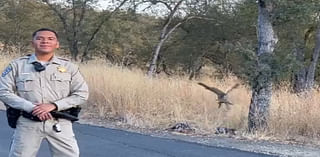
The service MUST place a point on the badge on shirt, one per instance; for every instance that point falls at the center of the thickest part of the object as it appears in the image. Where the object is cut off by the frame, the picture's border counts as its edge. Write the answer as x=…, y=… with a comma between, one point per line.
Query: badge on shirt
x=6, y=71
x=62, y=69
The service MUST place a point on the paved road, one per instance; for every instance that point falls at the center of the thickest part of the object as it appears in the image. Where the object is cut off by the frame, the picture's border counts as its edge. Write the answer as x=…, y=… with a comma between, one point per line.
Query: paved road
x=103, y=142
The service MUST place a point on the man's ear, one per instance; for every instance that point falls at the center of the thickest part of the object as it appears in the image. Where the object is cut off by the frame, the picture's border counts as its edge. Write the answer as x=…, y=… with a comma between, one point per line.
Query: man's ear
x=32, y=44
x=58, y=45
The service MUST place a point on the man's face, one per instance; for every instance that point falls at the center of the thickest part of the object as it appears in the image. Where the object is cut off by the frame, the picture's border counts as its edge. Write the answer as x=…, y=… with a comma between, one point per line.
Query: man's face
x=45, y=42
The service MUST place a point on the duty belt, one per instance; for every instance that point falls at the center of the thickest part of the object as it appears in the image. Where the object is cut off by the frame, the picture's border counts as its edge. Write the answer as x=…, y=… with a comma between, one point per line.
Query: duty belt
x=56, y=114
x=69, y=114
x=30, y=116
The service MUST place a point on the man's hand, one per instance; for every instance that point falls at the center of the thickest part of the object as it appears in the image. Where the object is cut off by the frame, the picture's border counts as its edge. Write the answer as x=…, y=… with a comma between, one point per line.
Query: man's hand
x=45, y=116
x=42, y=111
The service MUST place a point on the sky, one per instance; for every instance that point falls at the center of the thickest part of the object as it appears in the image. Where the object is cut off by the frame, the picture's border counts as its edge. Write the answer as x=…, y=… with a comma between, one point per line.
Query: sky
x=156, y=10
x=105, y=4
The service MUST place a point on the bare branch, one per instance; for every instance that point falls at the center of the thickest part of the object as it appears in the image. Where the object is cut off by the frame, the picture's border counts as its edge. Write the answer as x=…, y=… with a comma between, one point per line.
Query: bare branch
x=170, y=18
x=166, y=4
x=85, y=53
x=83, y=12
x=62, y=18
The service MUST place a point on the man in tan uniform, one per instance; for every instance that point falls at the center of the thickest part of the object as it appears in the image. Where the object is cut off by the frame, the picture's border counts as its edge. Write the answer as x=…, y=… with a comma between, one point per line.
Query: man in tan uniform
x=39, y=84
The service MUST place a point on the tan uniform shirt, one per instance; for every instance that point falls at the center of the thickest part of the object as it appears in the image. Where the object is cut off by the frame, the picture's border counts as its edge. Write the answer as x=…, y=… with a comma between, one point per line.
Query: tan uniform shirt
x=61, y=83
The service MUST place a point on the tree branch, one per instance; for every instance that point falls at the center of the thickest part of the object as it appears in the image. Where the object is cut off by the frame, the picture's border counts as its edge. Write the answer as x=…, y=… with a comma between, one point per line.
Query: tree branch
x=85, y=53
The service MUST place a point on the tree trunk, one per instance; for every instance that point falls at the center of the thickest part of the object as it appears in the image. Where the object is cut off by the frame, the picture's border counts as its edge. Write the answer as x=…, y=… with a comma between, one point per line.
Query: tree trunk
x=314, y=61
x=300, y=77
x=165, y=33
x=304, y=78
x=195, y=67
x=73, y=27
x=73, y=47
x=262, y=84
x=152, y=67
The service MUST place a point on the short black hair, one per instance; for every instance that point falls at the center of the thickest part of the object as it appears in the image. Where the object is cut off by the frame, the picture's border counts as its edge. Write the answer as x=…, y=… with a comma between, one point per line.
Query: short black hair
x=44, y=29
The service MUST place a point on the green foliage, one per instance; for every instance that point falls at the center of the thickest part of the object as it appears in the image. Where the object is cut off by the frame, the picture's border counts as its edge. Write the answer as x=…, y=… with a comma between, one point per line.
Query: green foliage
x=123, y=36
x=224, y=36
x=19, y=19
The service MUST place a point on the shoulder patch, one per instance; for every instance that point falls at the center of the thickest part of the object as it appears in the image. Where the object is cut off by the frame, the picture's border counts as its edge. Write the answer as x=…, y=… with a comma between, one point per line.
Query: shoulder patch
x=6, y=71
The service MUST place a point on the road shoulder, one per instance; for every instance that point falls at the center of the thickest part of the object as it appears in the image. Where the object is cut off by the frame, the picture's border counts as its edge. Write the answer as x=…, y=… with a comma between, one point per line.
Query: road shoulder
x=258, y=146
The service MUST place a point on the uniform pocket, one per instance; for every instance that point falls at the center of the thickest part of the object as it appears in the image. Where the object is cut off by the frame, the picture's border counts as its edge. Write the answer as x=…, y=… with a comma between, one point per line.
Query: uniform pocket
x=61, y=81
x=25, y=83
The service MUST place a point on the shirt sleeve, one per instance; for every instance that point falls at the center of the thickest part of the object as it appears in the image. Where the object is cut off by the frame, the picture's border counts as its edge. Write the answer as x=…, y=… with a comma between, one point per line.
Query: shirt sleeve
x=7, y=91
x=79, y=93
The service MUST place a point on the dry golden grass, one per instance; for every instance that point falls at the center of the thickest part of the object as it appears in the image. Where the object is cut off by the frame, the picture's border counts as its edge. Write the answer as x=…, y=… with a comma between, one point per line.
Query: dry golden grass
x=293, y=115
x=131, y=97
x=160, y=102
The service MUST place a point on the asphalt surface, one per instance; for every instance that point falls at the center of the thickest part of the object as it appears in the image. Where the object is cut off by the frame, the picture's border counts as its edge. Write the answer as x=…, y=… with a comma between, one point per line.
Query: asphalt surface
x=103, y=142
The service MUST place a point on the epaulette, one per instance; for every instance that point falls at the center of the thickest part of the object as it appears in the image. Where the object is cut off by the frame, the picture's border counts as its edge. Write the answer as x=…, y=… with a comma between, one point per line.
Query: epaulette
x=25, y=57
x=65, y=59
